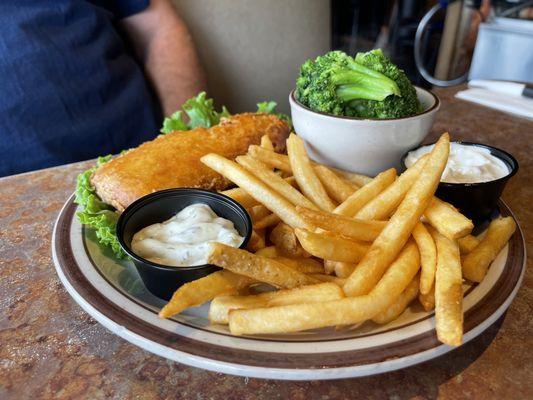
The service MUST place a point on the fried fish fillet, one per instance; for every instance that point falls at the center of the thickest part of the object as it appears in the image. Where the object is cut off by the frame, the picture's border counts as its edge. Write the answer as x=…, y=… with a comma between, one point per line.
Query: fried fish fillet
x=173, y=160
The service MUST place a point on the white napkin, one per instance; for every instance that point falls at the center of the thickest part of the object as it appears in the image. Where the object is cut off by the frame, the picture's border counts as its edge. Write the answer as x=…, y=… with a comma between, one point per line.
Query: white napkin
x=513, y=104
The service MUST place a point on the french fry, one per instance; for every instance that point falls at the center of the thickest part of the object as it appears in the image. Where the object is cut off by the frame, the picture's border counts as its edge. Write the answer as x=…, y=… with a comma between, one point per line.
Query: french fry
x=394, y=236
x=428, y=257
x=310, y=265
x=266, y=143
x=290, y=180
x=359, y=179
x=221, y=306
x=428, y=300
x=467, y=243
x=400, y=304
x=335, y=186
x=443, y=216
x=270, y=158
x=347, y=311
x=329, y=266
x=281, y=162
x=329, y=278
x=202, y=290
x=358, y=229
x=258, y=268
x=353, y=186
x=331, y=247
x=258, y=212
x=245, y=199
x=365, y=194
x=400, y=273
x=382, y=277
x=304, y=174
x=257, y=240
x=255, y=188
x=274, y=181
x=303, y=265
x=285, y=240
x=268, y=221
x=240, y=196
x=447, y=220
x=343, y=269
x=448, y=291
x=268, y=252
x=476, y=263
x=407, y=260
x=382, y=206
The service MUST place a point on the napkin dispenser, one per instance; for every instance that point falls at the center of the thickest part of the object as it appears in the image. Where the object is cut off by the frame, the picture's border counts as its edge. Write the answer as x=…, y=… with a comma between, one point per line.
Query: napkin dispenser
x=504, y=51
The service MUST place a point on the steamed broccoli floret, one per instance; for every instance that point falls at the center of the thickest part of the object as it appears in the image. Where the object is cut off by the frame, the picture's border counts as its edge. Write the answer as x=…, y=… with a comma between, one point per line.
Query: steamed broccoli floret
x=393, y=106
x=369, y=86
x=330, y=82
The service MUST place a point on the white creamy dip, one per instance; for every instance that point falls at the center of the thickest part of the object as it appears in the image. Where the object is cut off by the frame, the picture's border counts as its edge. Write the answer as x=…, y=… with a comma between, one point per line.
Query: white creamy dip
x=466, y=164
x=183, y=239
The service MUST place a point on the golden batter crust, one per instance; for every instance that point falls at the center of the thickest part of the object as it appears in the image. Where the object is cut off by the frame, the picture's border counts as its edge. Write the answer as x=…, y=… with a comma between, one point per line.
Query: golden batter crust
x=173, y=160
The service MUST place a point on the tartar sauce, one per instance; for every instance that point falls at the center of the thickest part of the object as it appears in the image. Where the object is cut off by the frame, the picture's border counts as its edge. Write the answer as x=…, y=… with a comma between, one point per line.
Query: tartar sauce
x=466, y=164
x=183, y=239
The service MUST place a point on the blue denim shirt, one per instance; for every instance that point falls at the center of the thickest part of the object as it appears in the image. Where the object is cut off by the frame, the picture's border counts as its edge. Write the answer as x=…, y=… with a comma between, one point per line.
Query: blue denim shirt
x=70, y=89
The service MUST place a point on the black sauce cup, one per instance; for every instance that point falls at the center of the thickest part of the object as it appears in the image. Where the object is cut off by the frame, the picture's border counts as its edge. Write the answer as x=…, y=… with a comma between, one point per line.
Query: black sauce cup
x=163, y=280
x=479, y=200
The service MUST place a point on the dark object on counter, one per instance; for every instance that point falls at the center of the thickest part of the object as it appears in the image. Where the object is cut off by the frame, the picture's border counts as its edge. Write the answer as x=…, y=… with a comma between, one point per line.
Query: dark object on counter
x=528, y=90
x=476, y=200
x=162, y=280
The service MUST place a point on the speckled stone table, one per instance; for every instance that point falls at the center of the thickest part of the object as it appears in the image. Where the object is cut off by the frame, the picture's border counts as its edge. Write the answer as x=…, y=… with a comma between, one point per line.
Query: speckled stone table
x=50, y=348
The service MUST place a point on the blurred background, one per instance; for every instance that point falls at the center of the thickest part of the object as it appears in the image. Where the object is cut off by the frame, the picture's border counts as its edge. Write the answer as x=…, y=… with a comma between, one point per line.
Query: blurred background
x=252, y=49
x=456, y=39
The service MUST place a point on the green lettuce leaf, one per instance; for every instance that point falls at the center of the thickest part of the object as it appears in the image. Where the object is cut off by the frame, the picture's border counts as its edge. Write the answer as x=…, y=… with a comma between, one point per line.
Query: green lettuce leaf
x=95, y=213
x=267, y=107
x=199, y=112
x=202, y=113
x=174, y=123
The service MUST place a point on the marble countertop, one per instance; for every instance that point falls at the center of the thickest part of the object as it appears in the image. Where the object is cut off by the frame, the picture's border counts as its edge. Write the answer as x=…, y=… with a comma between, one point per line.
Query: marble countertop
x=50, y=348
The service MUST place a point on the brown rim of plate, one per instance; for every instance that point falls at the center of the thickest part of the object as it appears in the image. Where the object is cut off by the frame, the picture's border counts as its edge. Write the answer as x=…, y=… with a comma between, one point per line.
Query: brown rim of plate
x=435, y=105
x=496, y=296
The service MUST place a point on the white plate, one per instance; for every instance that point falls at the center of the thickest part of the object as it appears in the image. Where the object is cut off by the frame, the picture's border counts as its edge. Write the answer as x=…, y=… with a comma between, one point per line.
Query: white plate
x=111, y=292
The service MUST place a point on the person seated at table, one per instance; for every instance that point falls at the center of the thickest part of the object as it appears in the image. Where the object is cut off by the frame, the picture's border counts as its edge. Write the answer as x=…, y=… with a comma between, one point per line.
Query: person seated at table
x=79, y=79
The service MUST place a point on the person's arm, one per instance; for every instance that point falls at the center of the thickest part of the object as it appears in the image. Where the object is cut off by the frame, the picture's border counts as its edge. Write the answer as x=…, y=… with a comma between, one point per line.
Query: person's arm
x=163, y=43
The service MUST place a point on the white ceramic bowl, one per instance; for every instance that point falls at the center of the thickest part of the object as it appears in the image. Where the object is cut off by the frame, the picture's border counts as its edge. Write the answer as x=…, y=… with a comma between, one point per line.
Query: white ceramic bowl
x=367, y=146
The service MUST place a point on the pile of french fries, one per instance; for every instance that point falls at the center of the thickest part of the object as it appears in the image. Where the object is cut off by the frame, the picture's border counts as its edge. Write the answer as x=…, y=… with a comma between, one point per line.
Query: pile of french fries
x=339, y=248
